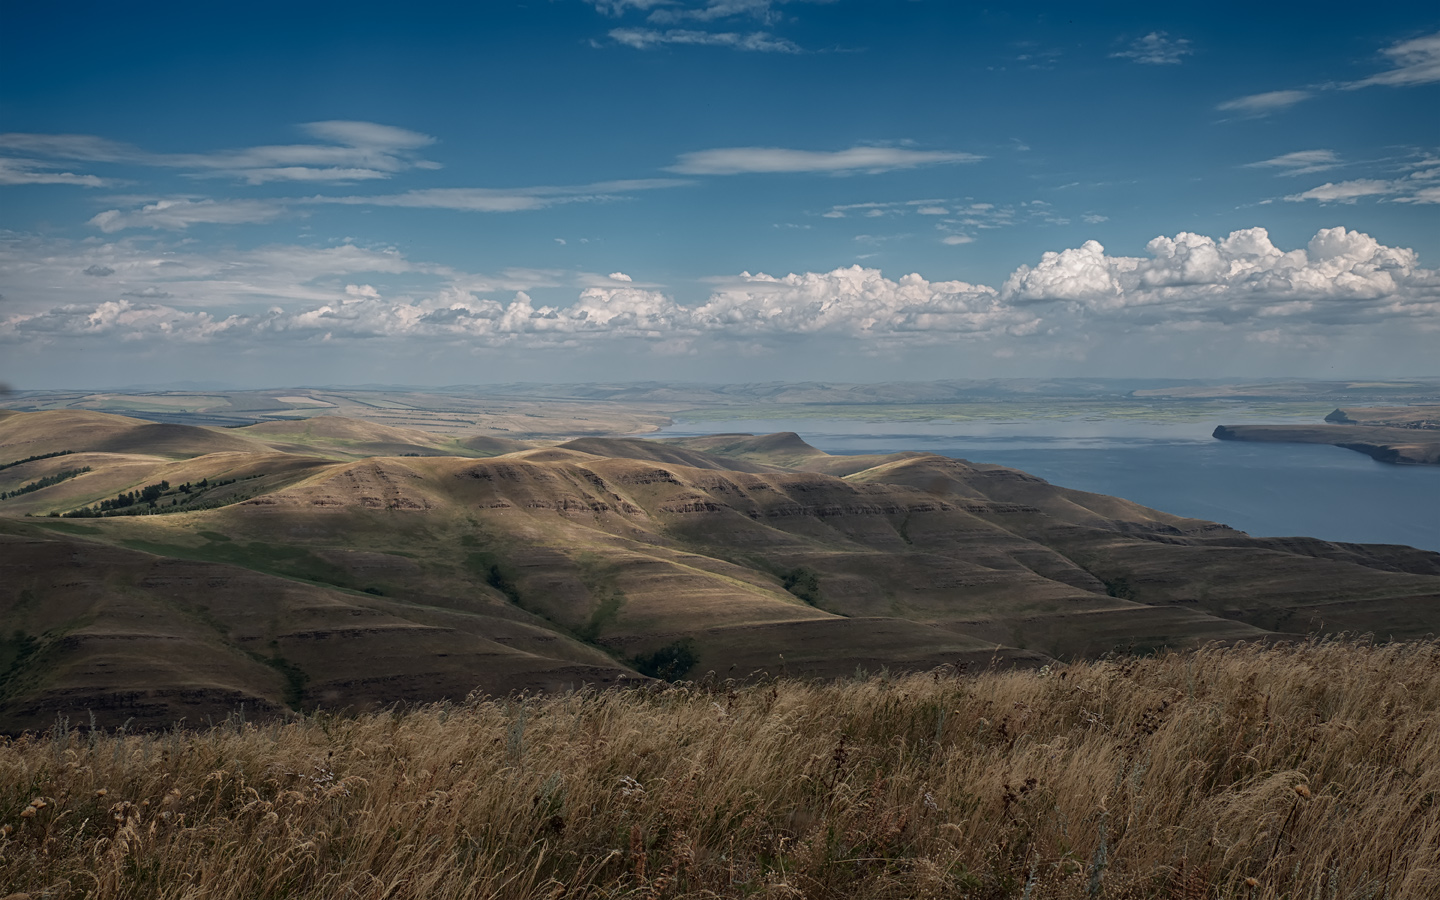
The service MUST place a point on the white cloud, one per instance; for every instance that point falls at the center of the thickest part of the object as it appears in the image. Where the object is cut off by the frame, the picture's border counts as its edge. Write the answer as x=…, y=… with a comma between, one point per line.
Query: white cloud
x=34, y=171
x=506, y=199
x=368, y=135
x=1417, y=187
x=758, y=41
x=1264, y=104
x=717, y=9
x=620, y=7
x=39, y=273
x=1341, y=277
x=957, y=220
x=1094, y=219
x=1156, y=49
x=181, y=213
x=1300, y=162
x=1416, y=61
x=672, y=12
x=346, y=151
x=745, y=160
x=1345, y=191
x=1424, y=195
x=858, y=302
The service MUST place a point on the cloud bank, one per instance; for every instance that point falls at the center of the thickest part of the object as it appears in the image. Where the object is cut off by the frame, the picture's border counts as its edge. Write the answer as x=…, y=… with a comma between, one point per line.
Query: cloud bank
x=1341, y=279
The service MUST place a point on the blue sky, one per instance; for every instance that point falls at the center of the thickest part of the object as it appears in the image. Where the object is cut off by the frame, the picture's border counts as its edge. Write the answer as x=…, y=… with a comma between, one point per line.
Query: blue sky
x=715, y=190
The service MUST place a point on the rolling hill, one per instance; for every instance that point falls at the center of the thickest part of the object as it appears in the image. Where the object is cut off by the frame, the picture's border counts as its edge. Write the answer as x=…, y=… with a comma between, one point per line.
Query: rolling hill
x=332, y=577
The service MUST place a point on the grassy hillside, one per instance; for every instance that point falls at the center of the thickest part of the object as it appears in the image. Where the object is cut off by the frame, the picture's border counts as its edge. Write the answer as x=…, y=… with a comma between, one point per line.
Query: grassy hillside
x=303, y=581
x=1301, y=771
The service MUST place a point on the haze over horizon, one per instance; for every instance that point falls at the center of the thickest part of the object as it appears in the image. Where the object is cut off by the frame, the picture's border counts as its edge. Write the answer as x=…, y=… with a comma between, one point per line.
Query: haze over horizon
x=715, y=191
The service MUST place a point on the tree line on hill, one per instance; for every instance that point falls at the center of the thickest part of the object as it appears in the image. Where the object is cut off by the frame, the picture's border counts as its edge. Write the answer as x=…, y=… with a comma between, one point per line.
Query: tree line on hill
x=146, y=500
x=44, y=482
x=21, y=462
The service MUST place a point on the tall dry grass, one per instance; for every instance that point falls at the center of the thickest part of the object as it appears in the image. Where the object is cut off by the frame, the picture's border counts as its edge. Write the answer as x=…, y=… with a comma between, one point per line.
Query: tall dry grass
x=1304, y=771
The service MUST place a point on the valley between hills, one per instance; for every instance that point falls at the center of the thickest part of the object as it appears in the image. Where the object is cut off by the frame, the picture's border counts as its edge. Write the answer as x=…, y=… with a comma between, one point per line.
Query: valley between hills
x=164, y=571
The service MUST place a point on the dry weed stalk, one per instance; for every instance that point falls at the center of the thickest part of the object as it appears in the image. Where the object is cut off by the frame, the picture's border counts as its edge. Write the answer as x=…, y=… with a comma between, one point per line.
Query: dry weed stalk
x=1295, y=771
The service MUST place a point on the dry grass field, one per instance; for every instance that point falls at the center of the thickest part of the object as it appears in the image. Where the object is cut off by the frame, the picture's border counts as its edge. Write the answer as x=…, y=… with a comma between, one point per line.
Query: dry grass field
x=1304, y=770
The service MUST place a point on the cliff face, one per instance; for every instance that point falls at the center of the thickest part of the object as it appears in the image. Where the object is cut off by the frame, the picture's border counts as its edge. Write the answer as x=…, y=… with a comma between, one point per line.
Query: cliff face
x=355, y=584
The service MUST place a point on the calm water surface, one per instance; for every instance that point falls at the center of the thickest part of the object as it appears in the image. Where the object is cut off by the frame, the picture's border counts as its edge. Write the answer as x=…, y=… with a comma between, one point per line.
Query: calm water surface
x=1263, y=489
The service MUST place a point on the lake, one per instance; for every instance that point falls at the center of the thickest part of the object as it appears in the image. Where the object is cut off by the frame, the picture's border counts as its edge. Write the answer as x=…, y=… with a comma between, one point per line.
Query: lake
x=1270, y=490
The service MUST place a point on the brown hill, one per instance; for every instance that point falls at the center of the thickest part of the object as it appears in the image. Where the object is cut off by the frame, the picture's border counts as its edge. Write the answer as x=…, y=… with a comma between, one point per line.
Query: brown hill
x=31, y=434
x=489, y=445
x=134, y=636
x=349, y=438
x=632, y=557
x=664, y=452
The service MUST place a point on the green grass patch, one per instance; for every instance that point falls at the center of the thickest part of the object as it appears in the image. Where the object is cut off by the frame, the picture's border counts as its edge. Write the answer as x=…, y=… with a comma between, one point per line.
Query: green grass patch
x=599, y=579
x=496, y=573
x=670, y=663
x=275, y=559
x=803, y=583
x=70, y=527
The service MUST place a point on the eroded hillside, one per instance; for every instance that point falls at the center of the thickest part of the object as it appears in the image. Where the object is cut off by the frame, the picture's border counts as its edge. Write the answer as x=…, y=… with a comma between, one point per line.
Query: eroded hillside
x=306, y=574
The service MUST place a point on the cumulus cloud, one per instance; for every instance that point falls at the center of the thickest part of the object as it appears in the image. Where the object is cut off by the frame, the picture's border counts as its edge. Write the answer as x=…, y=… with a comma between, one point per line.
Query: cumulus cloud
x=343, y=151
x=1342, y=276
x=1300, y=162
x=746, y=160
x=1156, y=49
x=1264, y=104
x=859, y=302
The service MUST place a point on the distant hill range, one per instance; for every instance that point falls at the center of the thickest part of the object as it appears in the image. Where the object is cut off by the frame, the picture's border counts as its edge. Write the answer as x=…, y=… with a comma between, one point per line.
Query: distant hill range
x=167, y=571
x=555, y=411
